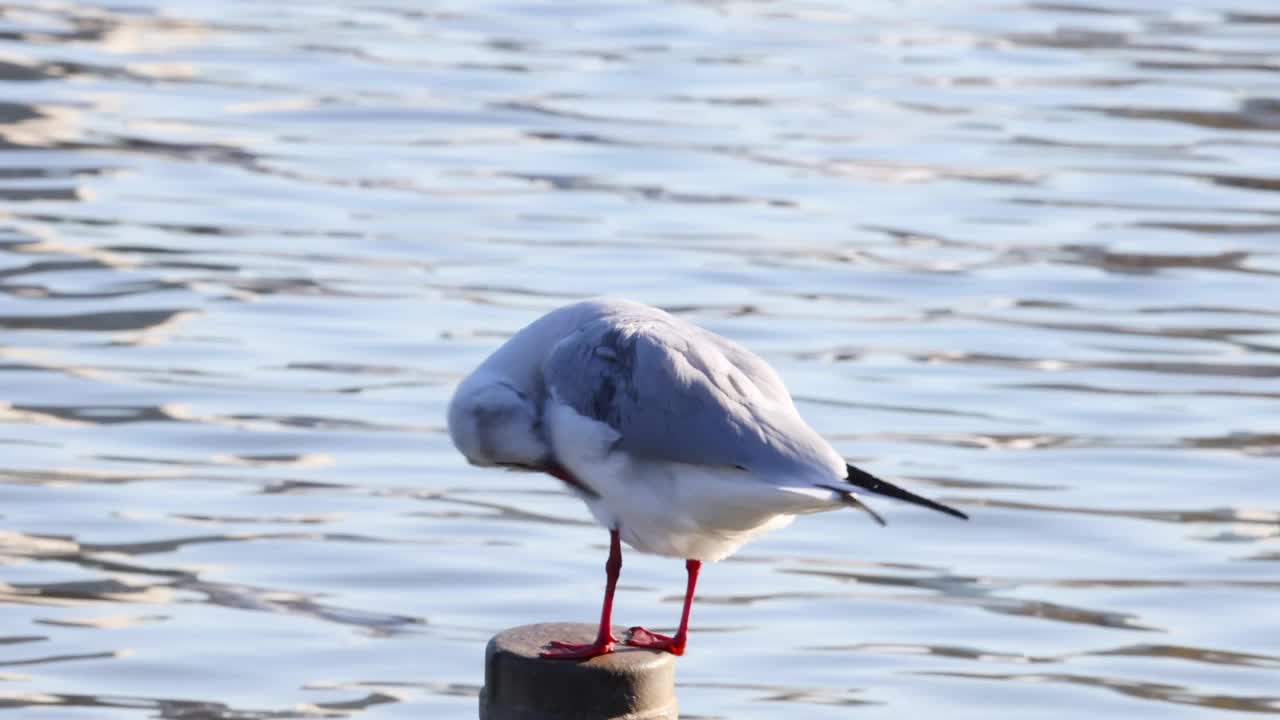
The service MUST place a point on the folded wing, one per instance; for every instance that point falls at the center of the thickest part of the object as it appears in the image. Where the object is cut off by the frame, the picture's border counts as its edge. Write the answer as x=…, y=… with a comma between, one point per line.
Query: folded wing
x=673, y=392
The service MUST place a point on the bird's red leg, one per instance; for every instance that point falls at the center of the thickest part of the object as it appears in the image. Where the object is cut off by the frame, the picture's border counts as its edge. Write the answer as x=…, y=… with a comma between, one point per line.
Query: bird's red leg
x=639, y=637
x=604, y=638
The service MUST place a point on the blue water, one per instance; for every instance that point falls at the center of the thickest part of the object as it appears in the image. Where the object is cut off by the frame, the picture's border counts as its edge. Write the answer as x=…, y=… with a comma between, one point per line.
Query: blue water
x=1021, y=257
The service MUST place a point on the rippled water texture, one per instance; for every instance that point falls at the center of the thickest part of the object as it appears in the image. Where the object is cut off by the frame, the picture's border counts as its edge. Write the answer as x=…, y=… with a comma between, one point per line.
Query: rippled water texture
x=1021, y=257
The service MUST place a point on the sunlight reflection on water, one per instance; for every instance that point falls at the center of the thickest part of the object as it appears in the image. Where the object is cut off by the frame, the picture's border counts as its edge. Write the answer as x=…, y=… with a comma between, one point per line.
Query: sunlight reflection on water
x=1022, y=256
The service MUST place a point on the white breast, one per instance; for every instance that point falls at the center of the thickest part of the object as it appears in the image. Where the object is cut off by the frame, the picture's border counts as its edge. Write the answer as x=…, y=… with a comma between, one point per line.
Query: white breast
x=675, y=509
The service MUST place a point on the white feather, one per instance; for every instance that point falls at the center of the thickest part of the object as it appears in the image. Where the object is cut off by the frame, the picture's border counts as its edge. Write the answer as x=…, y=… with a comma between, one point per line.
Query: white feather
x=696, y=512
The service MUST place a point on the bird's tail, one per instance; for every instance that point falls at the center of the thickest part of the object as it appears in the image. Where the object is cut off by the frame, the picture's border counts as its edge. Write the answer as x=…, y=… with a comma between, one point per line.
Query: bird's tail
x=871, y=483
x=848, y=498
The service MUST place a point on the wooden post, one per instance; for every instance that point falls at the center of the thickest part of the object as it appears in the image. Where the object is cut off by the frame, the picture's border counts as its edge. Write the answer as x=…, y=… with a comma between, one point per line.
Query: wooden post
x=627, y=684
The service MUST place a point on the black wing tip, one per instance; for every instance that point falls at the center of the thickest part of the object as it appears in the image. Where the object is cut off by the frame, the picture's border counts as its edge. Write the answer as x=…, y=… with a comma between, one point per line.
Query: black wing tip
x=947, y=509
x=871, y=483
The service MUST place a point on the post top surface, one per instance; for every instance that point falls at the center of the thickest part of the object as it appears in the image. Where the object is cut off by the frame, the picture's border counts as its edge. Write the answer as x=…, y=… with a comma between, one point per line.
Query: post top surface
x=627, y=684
x=527, y=641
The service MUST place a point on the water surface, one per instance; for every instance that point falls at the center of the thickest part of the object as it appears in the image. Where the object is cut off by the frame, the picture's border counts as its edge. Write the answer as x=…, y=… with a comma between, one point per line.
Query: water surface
x=1019, y=256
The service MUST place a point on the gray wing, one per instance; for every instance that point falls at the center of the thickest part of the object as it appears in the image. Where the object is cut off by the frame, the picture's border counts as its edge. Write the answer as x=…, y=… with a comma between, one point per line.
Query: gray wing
x=761, y=373
x=673, y=392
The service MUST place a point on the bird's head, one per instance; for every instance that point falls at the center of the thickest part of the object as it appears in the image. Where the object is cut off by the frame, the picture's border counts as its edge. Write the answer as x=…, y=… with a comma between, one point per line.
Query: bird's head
x=493, y=422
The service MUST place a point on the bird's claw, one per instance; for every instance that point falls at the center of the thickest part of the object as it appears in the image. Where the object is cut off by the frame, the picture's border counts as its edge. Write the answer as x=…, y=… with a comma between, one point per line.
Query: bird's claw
x=642, y=638
x=559, y=650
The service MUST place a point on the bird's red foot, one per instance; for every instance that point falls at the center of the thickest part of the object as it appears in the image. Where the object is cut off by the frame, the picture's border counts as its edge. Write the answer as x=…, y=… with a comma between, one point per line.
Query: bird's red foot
x=641, y=638
x=557, y=650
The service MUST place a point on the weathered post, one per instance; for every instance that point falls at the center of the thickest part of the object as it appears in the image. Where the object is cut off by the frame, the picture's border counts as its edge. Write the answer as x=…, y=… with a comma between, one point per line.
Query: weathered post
x=628, y=684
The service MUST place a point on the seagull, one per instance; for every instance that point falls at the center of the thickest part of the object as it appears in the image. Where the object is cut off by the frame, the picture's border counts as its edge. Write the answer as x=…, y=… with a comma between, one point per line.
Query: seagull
x=681, y=443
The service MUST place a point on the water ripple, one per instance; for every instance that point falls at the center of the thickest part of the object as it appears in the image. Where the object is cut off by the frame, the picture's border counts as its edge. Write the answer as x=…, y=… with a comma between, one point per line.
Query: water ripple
x=1021, y=255
x=1140, y=689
